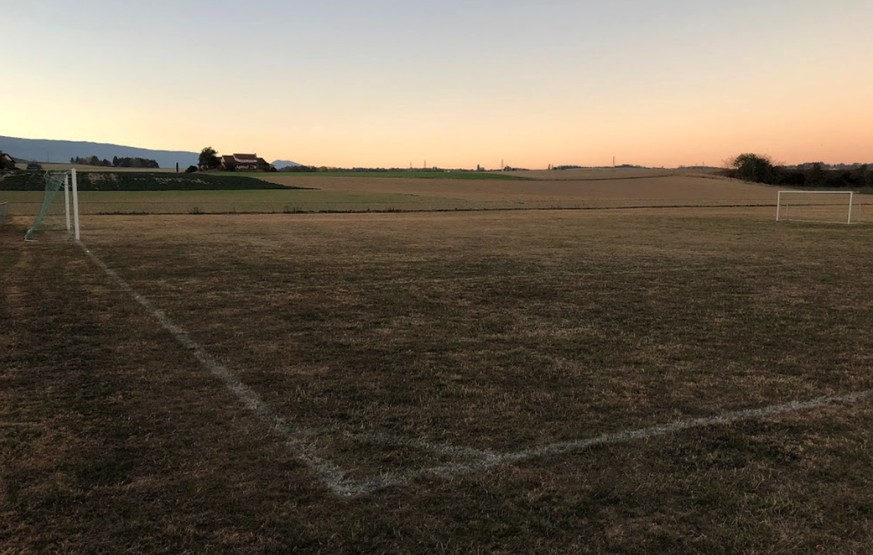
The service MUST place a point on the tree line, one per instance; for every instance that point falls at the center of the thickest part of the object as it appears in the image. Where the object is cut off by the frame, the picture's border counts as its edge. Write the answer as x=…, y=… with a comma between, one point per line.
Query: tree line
x=760, y=169
x=123, y=162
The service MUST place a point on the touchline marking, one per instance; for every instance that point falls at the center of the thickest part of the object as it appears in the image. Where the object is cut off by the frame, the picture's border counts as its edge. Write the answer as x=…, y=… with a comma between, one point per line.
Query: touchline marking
x=301, y=441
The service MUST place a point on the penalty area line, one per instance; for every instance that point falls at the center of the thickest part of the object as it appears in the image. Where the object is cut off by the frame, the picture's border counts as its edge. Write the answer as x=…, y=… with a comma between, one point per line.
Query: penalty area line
x=488, y=460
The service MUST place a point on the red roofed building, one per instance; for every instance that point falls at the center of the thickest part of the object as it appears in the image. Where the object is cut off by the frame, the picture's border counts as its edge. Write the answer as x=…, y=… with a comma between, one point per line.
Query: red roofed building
x=243, y=163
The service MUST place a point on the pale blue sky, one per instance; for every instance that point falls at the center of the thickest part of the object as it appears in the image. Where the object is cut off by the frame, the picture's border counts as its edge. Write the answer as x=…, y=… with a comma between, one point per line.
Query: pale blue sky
x=459, y=83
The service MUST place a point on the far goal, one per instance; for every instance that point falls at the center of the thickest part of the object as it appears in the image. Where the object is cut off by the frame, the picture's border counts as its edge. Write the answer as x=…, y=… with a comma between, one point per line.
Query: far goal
x=815, y=206
x=58, y=212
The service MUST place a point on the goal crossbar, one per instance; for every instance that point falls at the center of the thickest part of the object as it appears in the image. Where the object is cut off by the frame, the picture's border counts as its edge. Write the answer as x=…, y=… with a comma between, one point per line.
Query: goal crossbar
x=780, y=213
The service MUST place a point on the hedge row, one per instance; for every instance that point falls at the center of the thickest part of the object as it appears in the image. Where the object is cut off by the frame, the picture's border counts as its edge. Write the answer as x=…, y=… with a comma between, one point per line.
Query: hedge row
x=140, y=181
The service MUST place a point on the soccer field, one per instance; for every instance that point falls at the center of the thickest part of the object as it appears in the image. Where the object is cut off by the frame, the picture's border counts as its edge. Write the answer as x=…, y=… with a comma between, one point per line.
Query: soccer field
x=650, y=380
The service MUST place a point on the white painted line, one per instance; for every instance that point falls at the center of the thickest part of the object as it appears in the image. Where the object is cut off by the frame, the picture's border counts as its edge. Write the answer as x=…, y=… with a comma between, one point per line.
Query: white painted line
x=301, y=440
x=565, y=447
x=295, y=439
x=680, y=425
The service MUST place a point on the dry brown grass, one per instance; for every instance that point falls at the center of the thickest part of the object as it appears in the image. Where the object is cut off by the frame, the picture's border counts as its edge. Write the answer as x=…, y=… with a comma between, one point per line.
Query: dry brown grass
x=487, y=330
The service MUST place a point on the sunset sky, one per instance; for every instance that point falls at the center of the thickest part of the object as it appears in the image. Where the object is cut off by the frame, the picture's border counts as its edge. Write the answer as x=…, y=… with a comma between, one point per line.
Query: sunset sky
x=454, y=82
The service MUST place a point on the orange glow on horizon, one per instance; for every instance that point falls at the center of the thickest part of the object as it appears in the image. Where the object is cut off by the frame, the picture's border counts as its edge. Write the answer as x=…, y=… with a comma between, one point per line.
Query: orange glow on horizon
x=706, y=85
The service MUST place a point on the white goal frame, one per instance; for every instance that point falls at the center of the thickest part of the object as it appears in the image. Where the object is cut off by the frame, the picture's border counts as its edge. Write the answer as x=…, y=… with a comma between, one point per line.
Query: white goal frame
x=71, y=213
x=779, y=203
x=75, y=195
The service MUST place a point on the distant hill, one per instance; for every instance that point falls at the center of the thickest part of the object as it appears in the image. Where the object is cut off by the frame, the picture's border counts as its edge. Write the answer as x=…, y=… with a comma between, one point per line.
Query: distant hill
x=279, y=164
x=47, y=150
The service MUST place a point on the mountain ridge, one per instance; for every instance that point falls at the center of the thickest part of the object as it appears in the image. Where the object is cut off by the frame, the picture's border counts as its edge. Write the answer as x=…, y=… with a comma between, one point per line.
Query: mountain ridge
x=61, y=151
x=278, y=164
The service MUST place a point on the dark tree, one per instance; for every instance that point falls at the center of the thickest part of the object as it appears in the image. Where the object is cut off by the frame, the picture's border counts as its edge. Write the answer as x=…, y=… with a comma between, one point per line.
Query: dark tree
x=7, y=163
x=209, y=159
x=816, y=176
x=753, y=167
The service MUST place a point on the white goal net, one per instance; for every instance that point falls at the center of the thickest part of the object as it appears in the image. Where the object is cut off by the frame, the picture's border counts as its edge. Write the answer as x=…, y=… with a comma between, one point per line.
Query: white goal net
x=815, y=206
x=60, y=206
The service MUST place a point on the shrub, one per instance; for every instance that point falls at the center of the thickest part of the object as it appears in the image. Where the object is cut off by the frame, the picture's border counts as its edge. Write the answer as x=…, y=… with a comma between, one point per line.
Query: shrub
x=753, y=167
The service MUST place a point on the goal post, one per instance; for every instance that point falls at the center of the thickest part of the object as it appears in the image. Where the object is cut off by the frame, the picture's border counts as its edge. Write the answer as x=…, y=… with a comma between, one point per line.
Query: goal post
x=75, y=184
x=815, y=206
x=52, y=213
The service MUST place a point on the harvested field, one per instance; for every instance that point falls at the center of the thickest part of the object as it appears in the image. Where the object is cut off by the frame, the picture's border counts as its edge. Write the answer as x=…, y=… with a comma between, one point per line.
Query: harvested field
x=590, y=174
x=638, y=190
x=624, y=381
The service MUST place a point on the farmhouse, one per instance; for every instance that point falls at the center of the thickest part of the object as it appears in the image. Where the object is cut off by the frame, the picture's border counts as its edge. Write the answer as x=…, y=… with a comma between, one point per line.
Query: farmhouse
x=243, y=162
